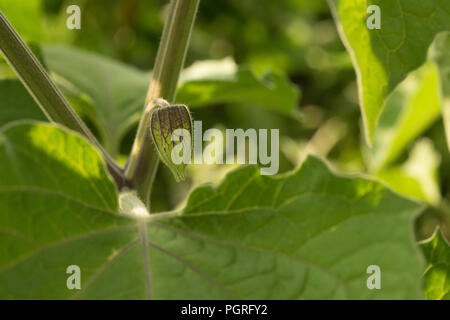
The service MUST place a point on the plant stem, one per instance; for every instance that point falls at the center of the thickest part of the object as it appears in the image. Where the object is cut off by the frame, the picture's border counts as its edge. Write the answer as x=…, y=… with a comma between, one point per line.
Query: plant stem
x=143, y=163
x=141, y=136
x=44, y=91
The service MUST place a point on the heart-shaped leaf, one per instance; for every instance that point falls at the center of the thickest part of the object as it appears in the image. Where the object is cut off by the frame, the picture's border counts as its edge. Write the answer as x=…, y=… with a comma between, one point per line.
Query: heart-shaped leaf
x=307, y=234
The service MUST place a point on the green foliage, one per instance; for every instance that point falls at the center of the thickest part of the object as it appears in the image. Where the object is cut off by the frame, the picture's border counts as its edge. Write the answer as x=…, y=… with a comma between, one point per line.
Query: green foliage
x=437, y=273
x=19, y=102
x=417, y=177
x=404, y=120
x=32, y=23
x=416, y=101
x=214, y=82
x=383, y=58
x=307, y=234
x=440, y=55
x=55, y=194
x=112, y=94
x=29, y=28
x=109, y=93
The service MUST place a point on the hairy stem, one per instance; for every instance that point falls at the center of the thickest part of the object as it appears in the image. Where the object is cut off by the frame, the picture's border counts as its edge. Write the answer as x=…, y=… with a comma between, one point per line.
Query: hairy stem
x=143, y=163
x=44, y=91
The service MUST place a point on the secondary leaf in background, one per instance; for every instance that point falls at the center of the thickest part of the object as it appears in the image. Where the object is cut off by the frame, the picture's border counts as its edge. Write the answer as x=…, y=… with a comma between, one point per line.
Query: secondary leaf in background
x=29, y=28
x=15, y=11
x=437, y=273
x=411, y=109
x=440, y=54
x=418, y=176
x=308, y=234
x=34, y=24
x=211, y=82
x=112, y=94
x=383, y=58
x=115, y=92
x=17, y=103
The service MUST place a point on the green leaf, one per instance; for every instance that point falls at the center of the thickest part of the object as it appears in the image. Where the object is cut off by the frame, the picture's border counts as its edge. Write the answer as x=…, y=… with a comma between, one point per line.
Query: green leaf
x=25, y=16
x=17, y=103
x=56, y=205
x=383, y=58
x=411, y=109
x=112, y=94
x=418, y=176
x=442, y=58
x=308, y=234
x=212, y=82
x=437, y=273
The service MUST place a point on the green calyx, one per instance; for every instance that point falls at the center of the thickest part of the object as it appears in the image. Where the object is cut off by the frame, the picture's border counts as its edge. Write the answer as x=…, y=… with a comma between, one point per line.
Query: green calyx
x=171, y=131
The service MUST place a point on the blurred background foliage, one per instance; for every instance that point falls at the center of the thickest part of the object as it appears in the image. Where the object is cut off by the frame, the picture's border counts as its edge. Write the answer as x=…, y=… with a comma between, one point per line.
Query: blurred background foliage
x=293, y=38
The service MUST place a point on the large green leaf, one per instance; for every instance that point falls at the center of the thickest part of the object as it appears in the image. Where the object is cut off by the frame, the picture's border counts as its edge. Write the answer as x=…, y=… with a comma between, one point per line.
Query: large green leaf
x=437, y=273
x=112, y=94
x=308, y=234
x=56, y=209
x=384, y=57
